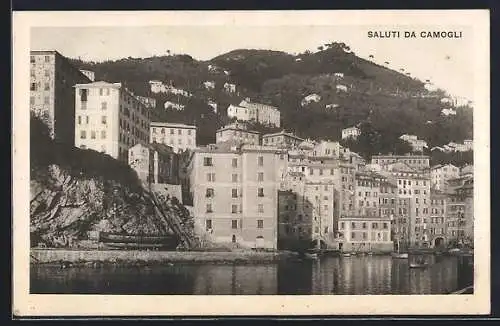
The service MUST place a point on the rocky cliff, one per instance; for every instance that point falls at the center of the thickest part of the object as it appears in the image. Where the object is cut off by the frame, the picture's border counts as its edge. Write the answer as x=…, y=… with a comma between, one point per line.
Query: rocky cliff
x=75, y=191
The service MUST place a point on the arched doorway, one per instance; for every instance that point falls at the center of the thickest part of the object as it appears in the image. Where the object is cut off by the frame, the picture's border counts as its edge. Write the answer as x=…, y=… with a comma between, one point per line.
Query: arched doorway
x=438, y=242
x=322, y=244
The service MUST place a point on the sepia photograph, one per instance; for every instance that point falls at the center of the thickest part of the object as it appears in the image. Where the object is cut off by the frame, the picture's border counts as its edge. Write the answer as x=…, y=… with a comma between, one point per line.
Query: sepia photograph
x=206, y=156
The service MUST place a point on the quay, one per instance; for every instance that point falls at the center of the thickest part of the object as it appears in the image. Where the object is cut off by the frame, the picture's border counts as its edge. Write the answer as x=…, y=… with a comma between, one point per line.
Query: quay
x=47, y=256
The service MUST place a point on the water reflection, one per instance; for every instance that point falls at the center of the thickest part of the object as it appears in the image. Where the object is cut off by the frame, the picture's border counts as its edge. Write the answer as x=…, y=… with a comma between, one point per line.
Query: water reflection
x=330, y=275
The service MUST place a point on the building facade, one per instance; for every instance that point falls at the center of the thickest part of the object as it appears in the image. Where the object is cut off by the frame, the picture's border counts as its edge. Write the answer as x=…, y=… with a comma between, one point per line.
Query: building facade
x=237, y=132
x=351, y=132
x=440, y=174
x=52, y=96
x=176, y=135
x=109, y=119
x=250, y=111
x=365, y=234
x=419, y=162
x=281, y=139
x=89, y=74
x=154, y=163
x=235, y=194
x=437, y=221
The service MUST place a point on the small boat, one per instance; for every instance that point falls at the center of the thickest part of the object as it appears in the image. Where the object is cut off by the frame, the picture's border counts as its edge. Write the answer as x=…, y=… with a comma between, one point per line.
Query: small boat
x=399, y=255
x=370, y=253
x=418, y=265
x=311, y=255
x=346, y=254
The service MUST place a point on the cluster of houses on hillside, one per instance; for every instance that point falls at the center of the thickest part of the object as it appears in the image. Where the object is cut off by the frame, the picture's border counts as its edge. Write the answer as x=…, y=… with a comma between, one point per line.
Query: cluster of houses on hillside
x=260, y=190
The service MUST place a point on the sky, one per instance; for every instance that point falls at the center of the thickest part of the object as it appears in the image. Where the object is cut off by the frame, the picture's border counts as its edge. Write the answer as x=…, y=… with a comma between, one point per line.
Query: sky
x=448, y=63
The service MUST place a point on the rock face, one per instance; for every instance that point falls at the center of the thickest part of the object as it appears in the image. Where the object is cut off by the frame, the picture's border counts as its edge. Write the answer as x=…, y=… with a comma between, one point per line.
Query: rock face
x=65, y=207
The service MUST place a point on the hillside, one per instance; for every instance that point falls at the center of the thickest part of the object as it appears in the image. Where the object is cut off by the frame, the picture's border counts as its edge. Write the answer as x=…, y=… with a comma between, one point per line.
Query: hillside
x=74, y=191
x=393, y=102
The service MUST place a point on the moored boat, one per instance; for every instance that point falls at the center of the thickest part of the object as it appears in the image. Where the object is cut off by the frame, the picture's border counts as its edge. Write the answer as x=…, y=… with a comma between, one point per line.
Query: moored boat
x=399, y=255
x=418, y=265
x=346, y=254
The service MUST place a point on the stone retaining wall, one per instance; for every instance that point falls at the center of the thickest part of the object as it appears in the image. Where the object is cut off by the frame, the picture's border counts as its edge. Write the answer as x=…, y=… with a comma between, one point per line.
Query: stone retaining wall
x=56, y=255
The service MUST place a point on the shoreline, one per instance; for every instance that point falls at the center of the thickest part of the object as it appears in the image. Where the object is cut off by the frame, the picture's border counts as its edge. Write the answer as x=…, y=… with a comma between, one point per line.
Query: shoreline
x=70, y=257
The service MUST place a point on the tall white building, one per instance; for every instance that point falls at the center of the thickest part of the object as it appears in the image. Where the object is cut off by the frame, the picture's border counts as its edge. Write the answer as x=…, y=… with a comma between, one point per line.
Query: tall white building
x=109, y=119
x=176, y=135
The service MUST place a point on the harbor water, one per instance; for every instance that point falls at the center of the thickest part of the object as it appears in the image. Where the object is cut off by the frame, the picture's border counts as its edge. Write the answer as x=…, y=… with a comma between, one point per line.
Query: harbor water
x=327, y=275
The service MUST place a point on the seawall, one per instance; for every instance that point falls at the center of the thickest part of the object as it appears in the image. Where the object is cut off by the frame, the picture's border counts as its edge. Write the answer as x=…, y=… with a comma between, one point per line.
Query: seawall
x=42, y=256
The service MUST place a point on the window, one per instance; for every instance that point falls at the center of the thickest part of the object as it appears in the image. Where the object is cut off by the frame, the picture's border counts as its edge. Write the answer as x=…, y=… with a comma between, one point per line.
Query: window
x=342, y=225
x=189, y=132
x=320, y=171
x=261, y=208
x=311, y=171
x=171, y=131
x=32, y=59
x=104, y=105
x=234, y=209
x=209, y=209
x=103, y=119
x=46, y=100
x=47, y=58
x=107, y=91
x=103, y=134
x=46, y=86
x=260, y=224
x=353, y=225
x=353, y=235
x=83, y=95
x=234, y=177
x=92, y=134
x=79, y=120
x=385, y=225
x=180, y=141
x=211, y=177
x=260, y=176
x=261, y=161
x=234, y=193
x=260, y=192
x=207, y=161
x=374, y=225
x=83, y=134
x=209, y=193
x=179, y=131
x=364, y=225
x=235, y=162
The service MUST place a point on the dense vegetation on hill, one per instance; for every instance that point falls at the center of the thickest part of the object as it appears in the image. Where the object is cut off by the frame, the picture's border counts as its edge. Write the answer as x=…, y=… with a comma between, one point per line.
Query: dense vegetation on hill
x=392, y=102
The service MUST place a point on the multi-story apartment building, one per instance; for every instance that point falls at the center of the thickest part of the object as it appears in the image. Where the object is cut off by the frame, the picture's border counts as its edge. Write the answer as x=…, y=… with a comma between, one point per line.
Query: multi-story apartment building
x=460, y=213
x=154, y=163
x=387, y=196
x=331, y=149
x=281, y=139
x=440, y=174
x=238, y=132
x=109, y=119
x=235, y=193
x=437, y=221
x=419, y=162
x=365, y=234
x=413, y=185
x=250, y=111
x=367, y=193
x=52, y=96
x=176, y=135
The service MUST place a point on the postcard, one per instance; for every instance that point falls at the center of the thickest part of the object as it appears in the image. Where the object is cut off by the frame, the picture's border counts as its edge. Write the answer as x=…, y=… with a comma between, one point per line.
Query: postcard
x=189, y=163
